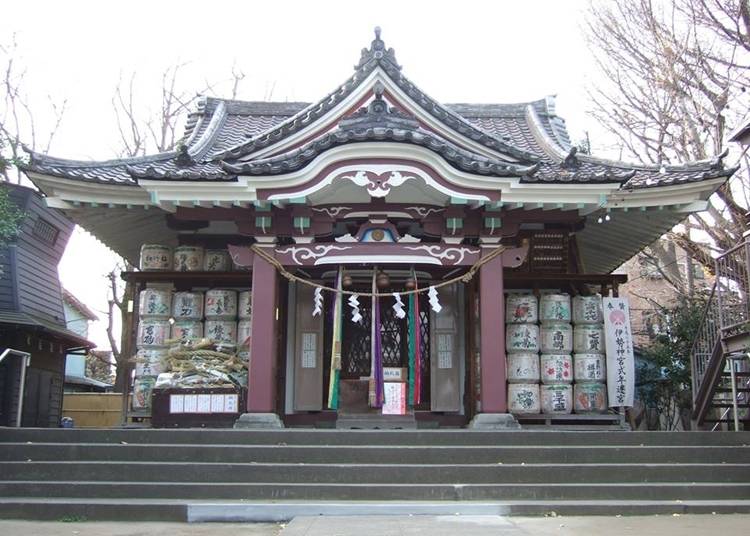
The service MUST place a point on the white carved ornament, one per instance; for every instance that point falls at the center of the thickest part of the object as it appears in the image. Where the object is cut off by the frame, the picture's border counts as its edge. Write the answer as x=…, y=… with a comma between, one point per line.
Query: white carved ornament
x=377, y=184
x=301, y=254
x=447, y=255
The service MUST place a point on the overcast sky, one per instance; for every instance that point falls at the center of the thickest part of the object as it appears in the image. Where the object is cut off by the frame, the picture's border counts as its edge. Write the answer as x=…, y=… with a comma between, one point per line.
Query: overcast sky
x=461, y=51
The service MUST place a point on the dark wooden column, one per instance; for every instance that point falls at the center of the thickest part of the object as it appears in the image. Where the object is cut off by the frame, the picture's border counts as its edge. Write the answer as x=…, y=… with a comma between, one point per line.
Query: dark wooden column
x=492, y=337
x=262, y=375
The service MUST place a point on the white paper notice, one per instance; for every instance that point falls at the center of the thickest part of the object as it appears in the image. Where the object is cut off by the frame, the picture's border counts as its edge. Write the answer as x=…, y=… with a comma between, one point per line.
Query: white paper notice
x=204, y=403
x=191, y=403
x=309, y=349
x=445, y=350
x=217, y=403
x=395, y=398
x=176, y=403
x=231, y=403
x=620, y=359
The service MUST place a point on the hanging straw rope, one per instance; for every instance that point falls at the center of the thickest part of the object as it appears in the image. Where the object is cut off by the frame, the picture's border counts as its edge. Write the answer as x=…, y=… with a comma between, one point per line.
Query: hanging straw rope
x=465, y=278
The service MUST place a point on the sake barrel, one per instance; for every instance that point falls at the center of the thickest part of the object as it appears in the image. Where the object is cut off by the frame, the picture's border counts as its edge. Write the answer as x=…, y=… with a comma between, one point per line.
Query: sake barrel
x=150, y=361
x=589, y=368
x=557, y=398
x=245, y=305
x=556, y=368
x=221, y=304
x=587, y=310
x=217, y=260
x=142, y=388
x=523, y=368
x=590, y=398
x=221, y=331
x=588, y=339
x=155, y=257
x=243, y=333
x=187, y=330
x=556, y=338
x=154, y=303
x=521, y=309
x=554, y=308
x=522, y=338
x=187, y=306
x=244, y=355
x=188, y=259
x=523, y=398
x=152, y=332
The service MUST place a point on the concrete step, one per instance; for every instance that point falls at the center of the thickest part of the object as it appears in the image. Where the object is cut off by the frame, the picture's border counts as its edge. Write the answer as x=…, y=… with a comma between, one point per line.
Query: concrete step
x=370, y=454
x=372, y=473
x=368, y=491
x=371, y=437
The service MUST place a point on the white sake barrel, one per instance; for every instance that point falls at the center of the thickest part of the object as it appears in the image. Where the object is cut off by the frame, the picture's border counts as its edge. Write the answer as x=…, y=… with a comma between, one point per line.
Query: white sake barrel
x=556, y=368
x=557, y=398
x=587, y=310
x=187, y=306
x=152, y=332
x=221, y=304
x=554, y=308
x=155, y=257
x=245, y=305
x=221, y=331
x=154, y=303
x=523, y=398
x=188, y=259
x=589, y=368
x=244, y=330
x=150, y=361
x=588, y=339
x=522, y=338
x=556, y=338
x=244, y=355
x=521, y=309
x=523, y=368
x=217, y=260
x=187, y=330
x=590, y=398
x=142, y=388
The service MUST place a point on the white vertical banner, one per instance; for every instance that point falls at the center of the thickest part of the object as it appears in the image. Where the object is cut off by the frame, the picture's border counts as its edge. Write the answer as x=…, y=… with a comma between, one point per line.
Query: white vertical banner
x=620, y=359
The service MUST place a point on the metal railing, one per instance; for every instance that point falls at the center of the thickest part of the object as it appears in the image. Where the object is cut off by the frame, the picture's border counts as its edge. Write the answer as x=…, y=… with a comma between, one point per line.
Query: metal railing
x=708, y=336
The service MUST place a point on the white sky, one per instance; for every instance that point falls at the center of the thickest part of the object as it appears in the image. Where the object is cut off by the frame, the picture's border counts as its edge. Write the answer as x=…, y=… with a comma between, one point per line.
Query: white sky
x=464, y=51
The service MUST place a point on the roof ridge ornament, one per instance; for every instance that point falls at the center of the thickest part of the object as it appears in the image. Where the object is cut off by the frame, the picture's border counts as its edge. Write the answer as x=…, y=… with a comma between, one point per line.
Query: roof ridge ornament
x=377, y=114
x=183, y=159
x=377, y=53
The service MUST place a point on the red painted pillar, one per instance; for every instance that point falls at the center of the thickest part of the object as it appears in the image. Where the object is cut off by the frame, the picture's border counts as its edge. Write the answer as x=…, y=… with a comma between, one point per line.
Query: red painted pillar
x=492, y=337
x=261, y=396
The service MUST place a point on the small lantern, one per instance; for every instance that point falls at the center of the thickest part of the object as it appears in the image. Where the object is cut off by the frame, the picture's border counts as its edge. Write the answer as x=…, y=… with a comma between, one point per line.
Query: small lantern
x=383, y=281
x=346, y=281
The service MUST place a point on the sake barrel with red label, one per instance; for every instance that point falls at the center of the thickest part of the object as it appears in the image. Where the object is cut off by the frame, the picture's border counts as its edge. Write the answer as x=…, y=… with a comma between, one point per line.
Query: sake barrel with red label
x=142, y=388
x=221, y=304
x=556, y=368
x=556, y=338
x=554, y=308
x=590, y=398
x=589, y=368
x=154, y=303
x=217, y=260
x=187, y=330
x=187, y=306
x=155, y=257
x=150, y=361
x=188, y=259
x=522, y=338
x=521, y=309
x=588, y=339
x=221, y=331
x=523, y=368
x=152, y=332
x=523, y=398
x=245, y=305
x=244, y=330
x=557, y=399
x=587, y=310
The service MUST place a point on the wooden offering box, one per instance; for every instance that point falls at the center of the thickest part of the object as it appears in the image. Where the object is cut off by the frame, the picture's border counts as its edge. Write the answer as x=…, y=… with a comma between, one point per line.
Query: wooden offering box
x=217, y=407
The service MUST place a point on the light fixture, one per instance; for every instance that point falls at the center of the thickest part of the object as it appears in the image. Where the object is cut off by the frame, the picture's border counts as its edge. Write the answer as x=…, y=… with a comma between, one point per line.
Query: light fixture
x=607, y=218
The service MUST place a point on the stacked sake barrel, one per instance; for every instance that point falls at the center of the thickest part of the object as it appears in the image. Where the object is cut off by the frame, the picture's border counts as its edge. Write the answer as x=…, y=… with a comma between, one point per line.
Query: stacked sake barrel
x=522, y=358
x=590, y=390
x=154, y=308
x=556, y=361
x=245, y=313
x=221, y=316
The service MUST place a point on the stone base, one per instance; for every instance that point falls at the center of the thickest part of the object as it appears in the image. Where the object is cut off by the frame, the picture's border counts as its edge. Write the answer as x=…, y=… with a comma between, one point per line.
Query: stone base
x=494, y=421
x=256, y=421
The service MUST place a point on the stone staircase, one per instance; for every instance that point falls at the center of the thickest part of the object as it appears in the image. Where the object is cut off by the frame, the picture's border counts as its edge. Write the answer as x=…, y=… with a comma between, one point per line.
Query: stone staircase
x=223, y=475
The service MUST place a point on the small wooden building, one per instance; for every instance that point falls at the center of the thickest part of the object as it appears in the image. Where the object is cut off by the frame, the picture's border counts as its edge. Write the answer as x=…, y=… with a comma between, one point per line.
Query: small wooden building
x=378, y=176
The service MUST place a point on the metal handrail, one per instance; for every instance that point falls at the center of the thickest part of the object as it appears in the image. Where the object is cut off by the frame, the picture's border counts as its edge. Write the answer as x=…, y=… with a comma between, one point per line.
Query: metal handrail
x=726, y=411
x=26, y=356
x=699, y=368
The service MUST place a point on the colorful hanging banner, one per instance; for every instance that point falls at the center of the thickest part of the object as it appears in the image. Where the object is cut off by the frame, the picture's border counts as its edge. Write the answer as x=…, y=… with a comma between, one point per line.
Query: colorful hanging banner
x=620, y=358
x=411, y=338
x=333, y=383
x=376, y=371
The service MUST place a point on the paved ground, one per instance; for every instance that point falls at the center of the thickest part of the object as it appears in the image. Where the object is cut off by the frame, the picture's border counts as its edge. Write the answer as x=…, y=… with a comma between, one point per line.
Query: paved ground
x=685, y=525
